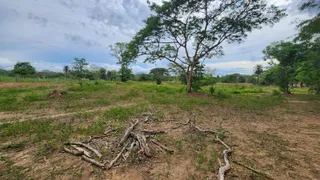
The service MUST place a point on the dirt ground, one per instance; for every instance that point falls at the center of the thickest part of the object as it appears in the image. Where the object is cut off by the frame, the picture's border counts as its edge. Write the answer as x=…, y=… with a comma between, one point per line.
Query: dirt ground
x=22, y=84
x=281, y=142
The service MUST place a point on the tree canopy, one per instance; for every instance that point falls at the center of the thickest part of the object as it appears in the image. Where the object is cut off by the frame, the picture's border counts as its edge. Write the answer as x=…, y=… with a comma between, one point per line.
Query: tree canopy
x=24, y=69
x=185, y=31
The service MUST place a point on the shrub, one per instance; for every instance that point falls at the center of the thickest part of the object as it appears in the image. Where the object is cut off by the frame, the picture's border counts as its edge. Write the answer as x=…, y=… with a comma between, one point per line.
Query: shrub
x=276, y=93
x=159, y=81
x=221, y=94
x=211, y=90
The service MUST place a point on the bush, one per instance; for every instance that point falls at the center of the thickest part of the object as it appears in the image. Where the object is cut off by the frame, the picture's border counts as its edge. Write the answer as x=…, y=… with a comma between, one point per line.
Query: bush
x=221, y=94
x=211, y=90
x=276, y=93
x=159, y=81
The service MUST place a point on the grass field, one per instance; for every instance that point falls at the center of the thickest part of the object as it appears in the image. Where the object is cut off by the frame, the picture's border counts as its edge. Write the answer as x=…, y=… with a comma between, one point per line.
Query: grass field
x=275, y=134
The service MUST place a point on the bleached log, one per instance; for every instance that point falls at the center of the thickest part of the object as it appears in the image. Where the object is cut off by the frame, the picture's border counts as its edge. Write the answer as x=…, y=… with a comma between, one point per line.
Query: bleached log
x=142, y=143
x=73, y=152
x=162, y=146
x=86, y=153
x=127, y=133
x=92, y=161
x=88, y=147
x=117, y=157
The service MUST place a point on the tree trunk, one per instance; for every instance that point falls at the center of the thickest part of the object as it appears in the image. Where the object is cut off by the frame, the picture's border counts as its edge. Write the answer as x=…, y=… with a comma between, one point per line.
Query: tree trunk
x=189, y=80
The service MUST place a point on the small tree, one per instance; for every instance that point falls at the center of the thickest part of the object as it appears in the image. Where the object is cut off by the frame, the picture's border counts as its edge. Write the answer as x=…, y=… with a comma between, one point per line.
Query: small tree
x=24, y=69
x=79, y=67
x=258, y=70
x=66, y=70
x=118, y=51
x=185, y=32
x=159, y=74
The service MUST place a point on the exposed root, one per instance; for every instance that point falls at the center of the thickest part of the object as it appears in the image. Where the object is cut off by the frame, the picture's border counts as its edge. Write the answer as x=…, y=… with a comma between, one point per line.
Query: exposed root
x=153, y=132
x=226, y=152
x=162, y=146
x=117, y=157
x=86, y=153
x=74, y=152
x=142, y=143
x=253, y=170
x=127, y=133
x=181, y=124
x=88, y=147
x=92, y=161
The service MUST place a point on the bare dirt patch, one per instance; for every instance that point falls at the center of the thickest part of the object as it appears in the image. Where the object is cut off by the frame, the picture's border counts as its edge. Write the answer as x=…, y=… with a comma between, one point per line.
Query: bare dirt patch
x=22, y=84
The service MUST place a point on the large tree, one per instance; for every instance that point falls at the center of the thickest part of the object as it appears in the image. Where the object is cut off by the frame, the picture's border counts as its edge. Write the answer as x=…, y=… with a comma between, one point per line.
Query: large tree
x=24, y=69
x=289, y=56
x=187, y=31
x=118, y=51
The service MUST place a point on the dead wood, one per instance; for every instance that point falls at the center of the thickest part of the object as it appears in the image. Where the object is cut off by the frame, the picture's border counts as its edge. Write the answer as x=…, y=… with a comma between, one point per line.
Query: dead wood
x=74, y=152
x=204, y=130
x=92, y=161
x=226, y=152
x=153, y=132
x=88, y=147
x=142, y=143
x=253, y=170
x=94, y=137
x=181, y=124
x=117, y=157
x=162, y=146
x=127, y=133
x=226, y=167
x=86, y=153
x=127, y=154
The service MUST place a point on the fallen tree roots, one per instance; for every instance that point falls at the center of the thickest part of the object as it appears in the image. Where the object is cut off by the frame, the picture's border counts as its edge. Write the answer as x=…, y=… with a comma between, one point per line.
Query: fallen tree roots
x=92, y=161
x=74, y=152
x=128, y=131
x=88, y=147
x=226, y=152
x=253, y=170
x=117, y=157
x=162, y=146
x=134, y=139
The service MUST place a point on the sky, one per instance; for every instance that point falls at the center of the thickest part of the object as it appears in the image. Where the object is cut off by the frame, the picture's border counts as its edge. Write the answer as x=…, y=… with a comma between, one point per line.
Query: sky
x=50, y=33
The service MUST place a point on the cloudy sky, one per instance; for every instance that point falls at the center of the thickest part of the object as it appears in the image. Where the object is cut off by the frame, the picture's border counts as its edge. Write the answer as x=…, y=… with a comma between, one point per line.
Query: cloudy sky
x=50, y=33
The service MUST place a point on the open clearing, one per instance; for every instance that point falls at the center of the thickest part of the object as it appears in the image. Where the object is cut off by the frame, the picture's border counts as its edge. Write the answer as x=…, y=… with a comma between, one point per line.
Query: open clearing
x=278, y=136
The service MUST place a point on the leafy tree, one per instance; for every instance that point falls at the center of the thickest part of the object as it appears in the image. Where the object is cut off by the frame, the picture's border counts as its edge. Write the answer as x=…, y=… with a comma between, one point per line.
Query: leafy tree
x=79, y=67
x=310, y=28
x=159, y=74
x=258, y=70
x=125, y=73
x=118, y=51
x=112, y=75
x=103, y=73
x=24, y=69
x=289, y=55
x=187, y=31
x=66, y=70
x=309, y=70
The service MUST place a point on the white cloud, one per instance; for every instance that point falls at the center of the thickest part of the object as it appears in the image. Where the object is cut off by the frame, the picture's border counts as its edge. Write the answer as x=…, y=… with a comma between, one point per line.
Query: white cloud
x=244, y=66
x=6, y=63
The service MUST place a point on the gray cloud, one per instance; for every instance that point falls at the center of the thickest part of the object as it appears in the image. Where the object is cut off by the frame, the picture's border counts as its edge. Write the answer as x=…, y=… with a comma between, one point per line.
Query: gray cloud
x=68, y=3
x=39, y=20
x=125, y=13
x=81, y=40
